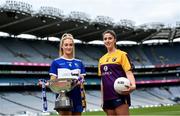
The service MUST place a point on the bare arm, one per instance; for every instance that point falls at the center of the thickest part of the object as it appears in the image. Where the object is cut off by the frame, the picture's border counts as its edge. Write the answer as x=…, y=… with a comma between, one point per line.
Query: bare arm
x=130, y=76
x=132, y=87
x=102, y=98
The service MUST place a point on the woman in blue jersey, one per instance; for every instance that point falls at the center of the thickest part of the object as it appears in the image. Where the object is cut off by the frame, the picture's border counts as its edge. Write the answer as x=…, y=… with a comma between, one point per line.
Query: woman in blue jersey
x=67, y=62
x=114, y=64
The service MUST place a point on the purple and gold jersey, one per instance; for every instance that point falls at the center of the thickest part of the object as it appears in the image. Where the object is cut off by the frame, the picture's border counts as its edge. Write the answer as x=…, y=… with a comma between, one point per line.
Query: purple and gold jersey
x=111, y=66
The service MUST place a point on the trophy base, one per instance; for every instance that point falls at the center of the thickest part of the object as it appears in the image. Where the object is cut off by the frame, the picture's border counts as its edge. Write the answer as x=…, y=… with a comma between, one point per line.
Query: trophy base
x=65, y=105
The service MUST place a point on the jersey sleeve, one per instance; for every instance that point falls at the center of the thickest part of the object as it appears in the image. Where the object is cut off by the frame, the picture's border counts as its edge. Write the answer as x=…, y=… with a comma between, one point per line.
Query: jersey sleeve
x=125, y=62
x=53, y=69
x=83, y=71
x=99, y=71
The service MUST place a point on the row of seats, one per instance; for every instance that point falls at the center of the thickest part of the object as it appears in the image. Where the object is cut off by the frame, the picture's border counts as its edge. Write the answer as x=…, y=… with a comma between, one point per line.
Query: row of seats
x=16, y=50
x=13, y=102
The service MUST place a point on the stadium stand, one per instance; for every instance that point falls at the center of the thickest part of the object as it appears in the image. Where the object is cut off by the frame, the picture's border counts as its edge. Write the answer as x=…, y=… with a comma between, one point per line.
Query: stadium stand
x=29, y=76
x=31, y=101
x=24, y=61
x=44, y=52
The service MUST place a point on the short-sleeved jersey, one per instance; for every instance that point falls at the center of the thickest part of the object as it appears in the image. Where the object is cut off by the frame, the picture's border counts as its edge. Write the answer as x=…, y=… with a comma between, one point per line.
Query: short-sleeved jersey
x=66, y=64
x=69, y=65
x=111, y=66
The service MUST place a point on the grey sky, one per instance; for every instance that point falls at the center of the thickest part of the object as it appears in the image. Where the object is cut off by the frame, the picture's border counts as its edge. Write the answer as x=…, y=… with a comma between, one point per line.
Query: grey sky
x=140, y=11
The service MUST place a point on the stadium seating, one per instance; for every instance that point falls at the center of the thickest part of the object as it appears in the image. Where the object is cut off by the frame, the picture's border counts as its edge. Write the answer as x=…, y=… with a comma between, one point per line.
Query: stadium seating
x=24, y=61
x=31, y=101
x=35, y=51
x=18, y=50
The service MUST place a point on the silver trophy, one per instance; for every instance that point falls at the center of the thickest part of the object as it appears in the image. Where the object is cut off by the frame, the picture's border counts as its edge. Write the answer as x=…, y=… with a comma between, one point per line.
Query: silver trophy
x=62, y=86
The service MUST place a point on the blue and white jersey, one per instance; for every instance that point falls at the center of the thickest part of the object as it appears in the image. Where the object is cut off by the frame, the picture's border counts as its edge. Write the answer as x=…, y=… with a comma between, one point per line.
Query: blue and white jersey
x=63, y=68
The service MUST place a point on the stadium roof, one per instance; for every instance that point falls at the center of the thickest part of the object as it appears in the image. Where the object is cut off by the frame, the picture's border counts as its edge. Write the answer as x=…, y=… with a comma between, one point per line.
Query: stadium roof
x=19, y=18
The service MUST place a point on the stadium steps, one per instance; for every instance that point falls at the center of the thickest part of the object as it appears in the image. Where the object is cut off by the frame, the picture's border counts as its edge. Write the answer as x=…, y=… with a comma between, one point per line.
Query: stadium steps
x=91, y=94
x=133, y=56
x=155, y=95
x=175, y=90
x=160, y=92
x=37, y=96
x=154, y=100
x=42, y=54
x=5, y=56
x=164, y=95
x=32, y=99
x=84, y=50
x=14, y=53
x=45, y=50
x=24, y=99
x=9, y=100
x=145, y=60
x=137, y=96
x=93, y=101
x=138, y=55
x=154, y=55
x=2, y=114
x=91, y=98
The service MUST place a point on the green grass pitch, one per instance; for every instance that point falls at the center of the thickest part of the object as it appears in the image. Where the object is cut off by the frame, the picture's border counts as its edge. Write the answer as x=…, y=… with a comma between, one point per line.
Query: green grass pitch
x=153, y=111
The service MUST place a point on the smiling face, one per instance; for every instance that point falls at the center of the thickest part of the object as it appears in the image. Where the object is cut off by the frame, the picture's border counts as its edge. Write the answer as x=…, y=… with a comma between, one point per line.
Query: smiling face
x=109, y=41
x=67, y=47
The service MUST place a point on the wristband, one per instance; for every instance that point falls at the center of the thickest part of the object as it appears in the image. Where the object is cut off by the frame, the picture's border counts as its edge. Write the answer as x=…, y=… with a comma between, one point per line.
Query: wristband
x=80, y=79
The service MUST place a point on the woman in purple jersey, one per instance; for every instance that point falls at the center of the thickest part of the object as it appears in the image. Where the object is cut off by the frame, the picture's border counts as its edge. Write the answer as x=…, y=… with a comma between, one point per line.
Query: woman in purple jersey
x=112, y=65
x=67, y=62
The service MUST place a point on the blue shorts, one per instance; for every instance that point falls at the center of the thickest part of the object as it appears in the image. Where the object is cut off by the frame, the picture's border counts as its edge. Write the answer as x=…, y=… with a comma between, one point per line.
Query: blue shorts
x=114, y=103
x=78, y=108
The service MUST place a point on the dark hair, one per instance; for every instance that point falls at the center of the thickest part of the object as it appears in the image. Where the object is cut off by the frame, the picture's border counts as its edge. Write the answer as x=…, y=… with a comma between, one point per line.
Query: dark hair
x=111, y=32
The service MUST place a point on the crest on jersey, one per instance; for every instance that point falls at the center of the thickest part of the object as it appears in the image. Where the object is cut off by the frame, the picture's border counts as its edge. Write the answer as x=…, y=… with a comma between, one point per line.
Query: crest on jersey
x=114, y=59
x=105, y=68
x=70, y=64
x=76, y=65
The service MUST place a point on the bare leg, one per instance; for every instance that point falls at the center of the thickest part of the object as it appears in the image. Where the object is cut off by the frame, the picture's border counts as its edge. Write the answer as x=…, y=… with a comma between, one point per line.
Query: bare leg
x=76, y=113
x=110, y=112
x=122, y=110
x=65, y=113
